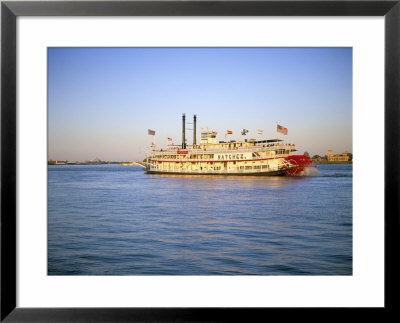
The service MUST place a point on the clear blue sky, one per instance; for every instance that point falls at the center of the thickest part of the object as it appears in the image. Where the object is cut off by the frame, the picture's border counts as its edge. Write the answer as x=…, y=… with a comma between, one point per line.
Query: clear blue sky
x=101, y=101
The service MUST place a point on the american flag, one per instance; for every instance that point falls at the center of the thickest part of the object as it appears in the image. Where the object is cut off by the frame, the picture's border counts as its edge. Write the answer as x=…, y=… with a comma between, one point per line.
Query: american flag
x=281, y=129
x=259, y=132
x=244, y=131
x=151, y=132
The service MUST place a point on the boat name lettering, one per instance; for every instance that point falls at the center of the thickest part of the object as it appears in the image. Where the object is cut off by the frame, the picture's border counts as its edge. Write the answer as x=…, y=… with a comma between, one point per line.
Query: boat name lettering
x=230, y=156
x=182, y=152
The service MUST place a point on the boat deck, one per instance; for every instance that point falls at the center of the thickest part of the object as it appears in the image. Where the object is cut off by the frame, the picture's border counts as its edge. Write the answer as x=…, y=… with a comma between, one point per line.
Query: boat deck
x=255, y=172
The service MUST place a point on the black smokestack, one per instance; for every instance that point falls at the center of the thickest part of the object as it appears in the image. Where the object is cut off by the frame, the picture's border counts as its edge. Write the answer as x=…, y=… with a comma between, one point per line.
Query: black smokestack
x=194, y=130
x=183, y=132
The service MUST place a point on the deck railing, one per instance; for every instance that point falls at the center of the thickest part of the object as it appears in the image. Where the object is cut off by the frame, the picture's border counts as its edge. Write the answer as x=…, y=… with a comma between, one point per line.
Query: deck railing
x=225, y=151
x=213, y=160
x=220, y=171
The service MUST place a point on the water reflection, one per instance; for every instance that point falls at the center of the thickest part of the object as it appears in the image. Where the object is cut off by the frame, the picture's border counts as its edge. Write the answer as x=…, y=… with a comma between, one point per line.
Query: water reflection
x=273, y=182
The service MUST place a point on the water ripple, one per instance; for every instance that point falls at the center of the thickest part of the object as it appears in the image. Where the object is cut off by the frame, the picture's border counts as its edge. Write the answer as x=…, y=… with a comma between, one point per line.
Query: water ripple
x=115, y=220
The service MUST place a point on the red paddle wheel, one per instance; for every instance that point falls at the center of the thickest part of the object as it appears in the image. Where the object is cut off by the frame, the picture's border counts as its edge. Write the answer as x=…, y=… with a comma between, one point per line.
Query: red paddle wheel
x=298, y=162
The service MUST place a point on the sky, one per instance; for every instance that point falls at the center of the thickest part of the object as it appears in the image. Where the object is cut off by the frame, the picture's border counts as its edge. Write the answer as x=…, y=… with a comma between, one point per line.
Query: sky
x=102, y=101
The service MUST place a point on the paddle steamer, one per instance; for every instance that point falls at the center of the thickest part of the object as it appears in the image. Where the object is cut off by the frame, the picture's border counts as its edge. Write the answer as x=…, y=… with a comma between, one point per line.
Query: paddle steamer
x=212, y=157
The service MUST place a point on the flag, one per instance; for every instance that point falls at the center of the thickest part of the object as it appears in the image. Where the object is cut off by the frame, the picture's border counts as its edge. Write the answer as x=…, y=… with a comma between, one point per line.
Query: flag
x=229, y=132
x=169, y=139
x=151, y=132
x=244, y=131
x=259, y=132
x=281, y=129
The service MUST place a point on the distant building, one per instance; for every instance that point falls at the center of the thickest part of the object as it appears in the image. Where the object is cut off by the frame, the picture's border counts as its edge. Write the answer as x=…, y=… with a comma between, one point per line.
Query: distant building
x=96, y=161
x=344, y=157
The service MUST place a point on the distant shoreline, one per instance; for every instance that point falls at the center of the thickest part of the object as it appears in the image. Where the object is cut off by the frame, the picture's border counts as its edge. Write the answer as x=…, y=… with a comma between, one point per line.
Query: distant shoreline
x=324, y=162
x=63, y=163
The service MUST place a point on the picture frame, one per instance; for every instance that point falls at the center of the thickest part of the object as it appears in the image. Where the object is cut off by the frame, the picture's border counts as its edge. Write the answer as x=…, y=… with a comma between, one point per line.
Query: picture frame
x=11, y=10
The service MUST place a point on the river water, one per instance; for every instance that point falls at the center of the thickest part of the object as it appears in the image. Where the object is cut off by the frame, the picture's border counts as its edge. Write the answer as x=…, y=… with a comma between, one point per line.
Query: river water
x=117, y=220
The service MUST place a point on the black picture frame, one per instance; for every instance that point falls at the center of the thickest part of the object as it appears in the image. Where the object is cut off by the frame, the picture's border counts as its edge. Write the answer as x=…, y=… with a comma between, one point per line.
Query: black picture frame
x=10, y=10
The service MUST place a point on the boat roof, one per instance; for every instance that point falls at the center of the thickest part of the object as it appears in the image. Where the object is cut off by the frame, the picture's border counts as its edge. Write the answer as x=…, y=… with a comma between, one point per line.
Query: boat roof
x=233, y=141
x=269, y=140
x=252, y=141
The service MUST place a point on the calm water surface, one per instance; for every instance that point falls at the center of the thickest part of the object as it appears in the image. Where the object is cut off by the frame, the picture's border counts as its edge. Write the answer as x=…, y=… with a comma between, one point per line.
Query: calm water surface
x=116, y=220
